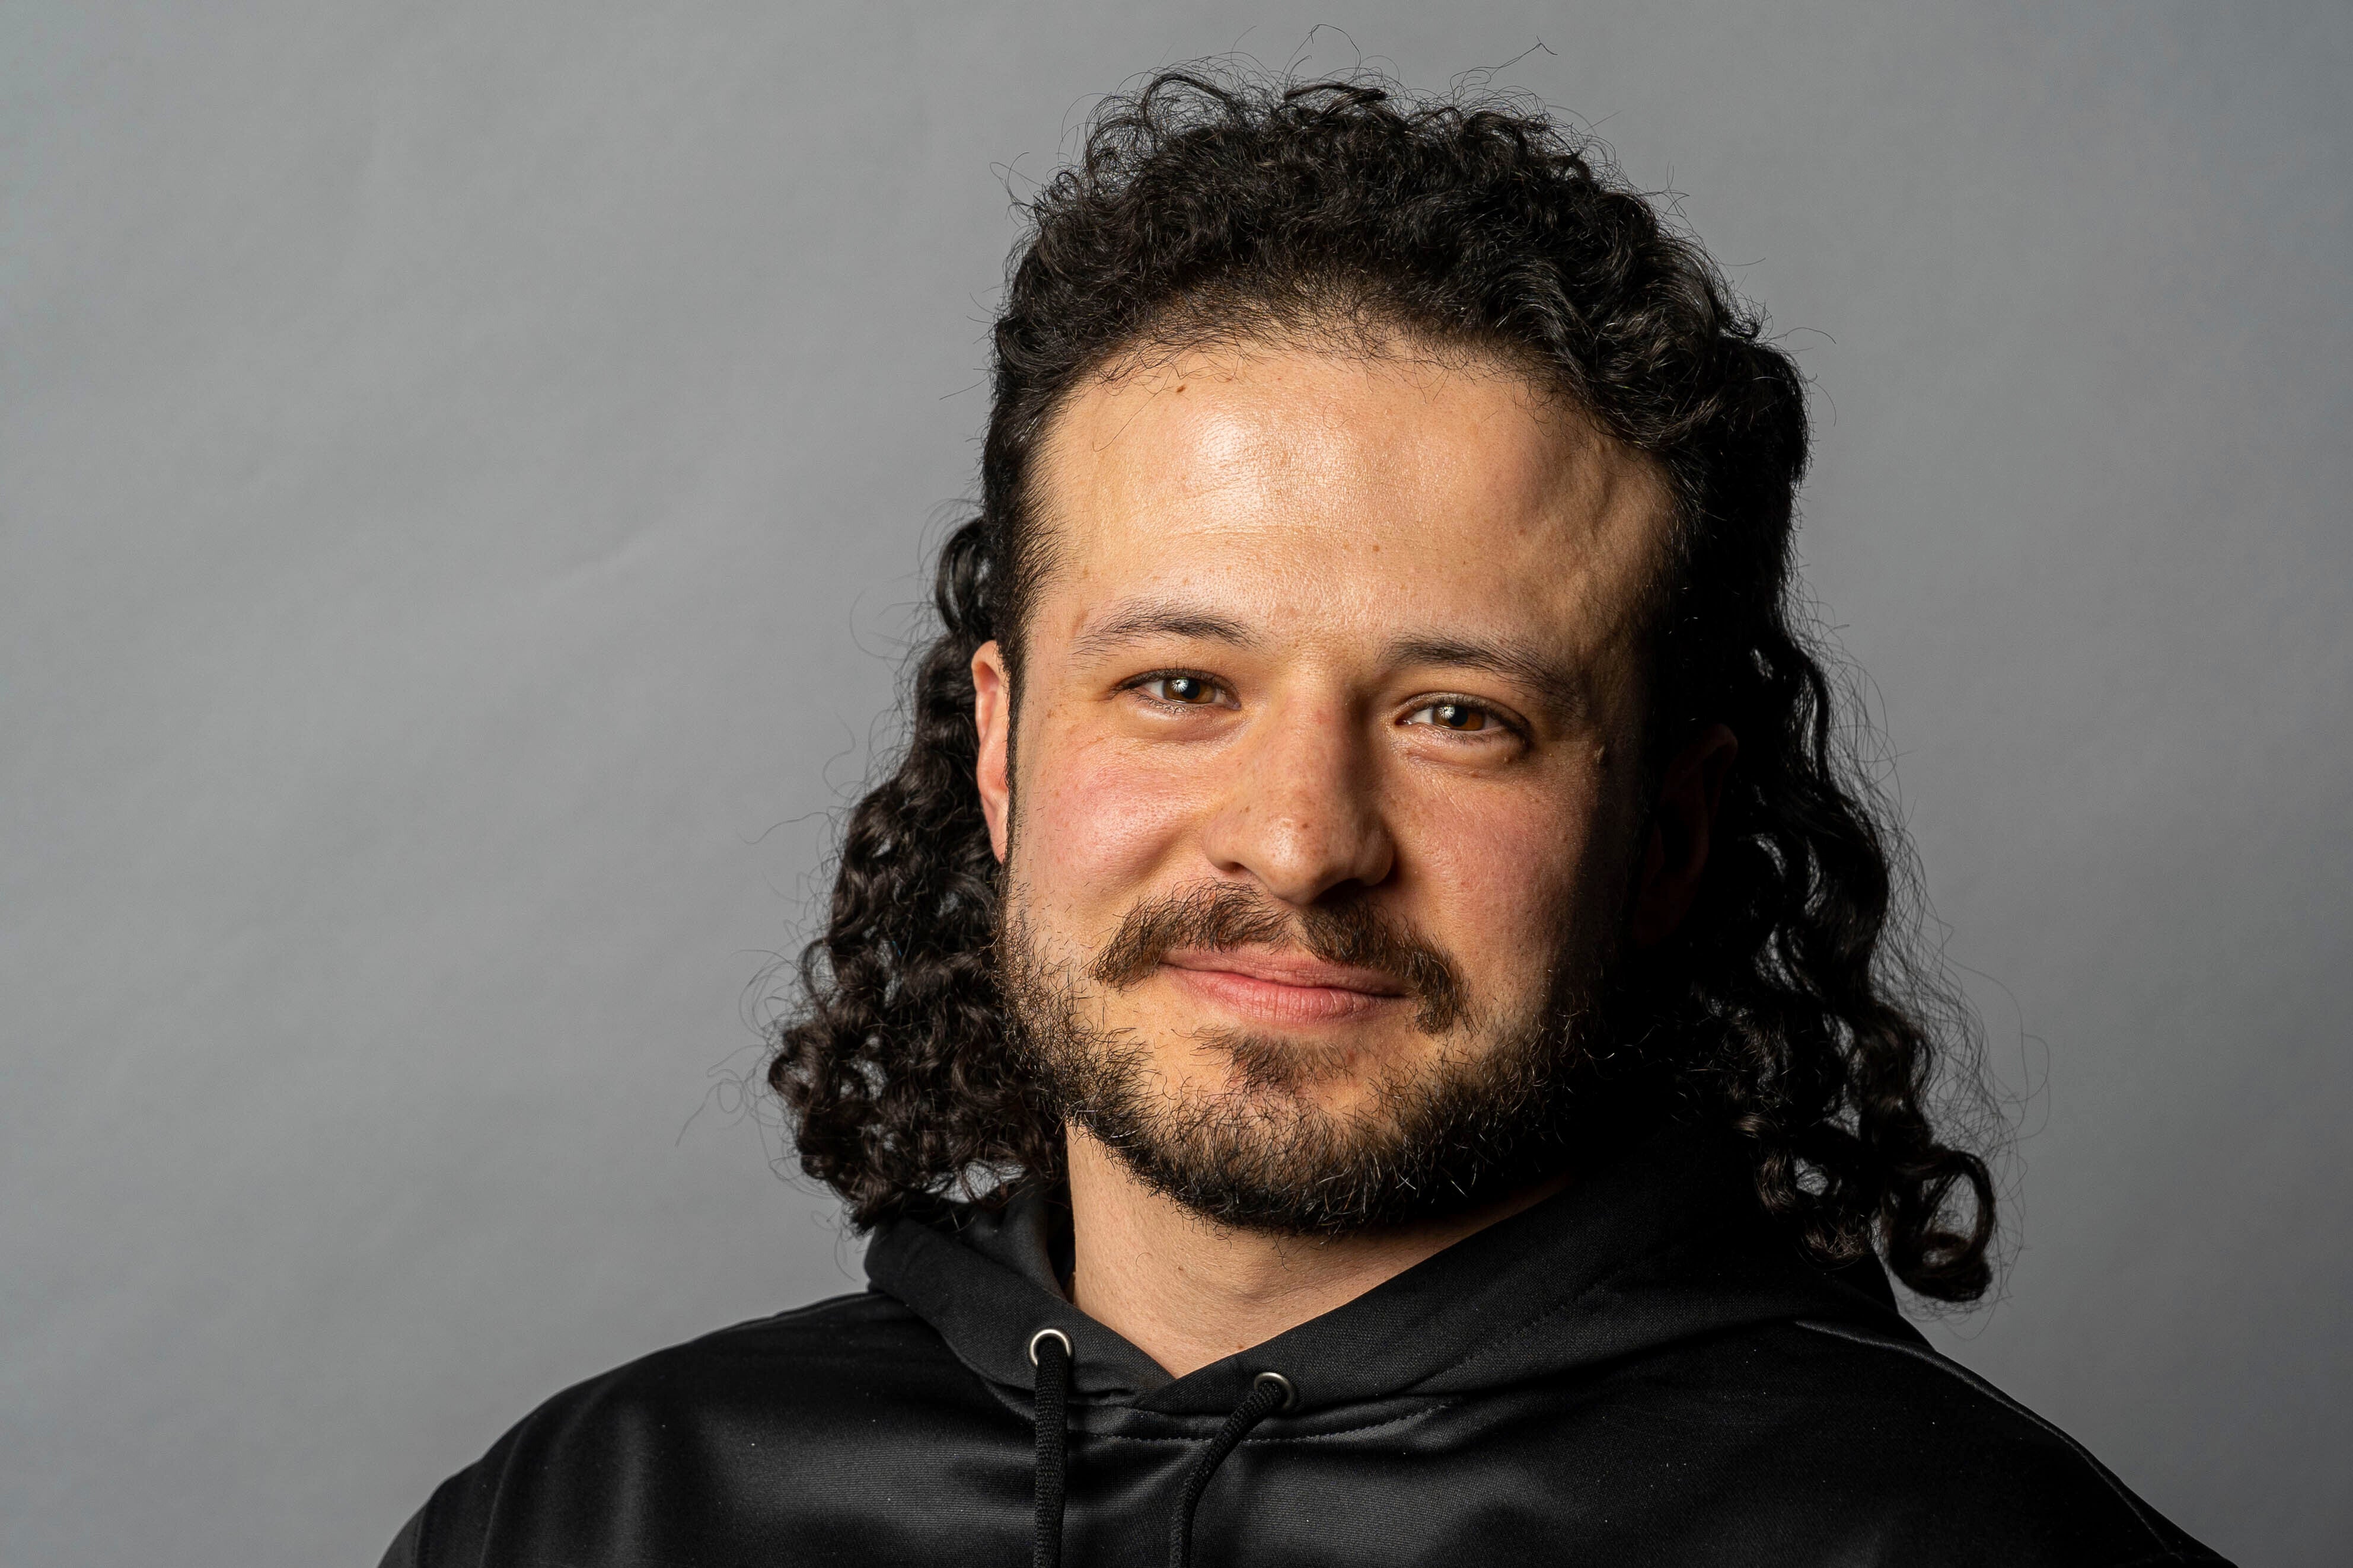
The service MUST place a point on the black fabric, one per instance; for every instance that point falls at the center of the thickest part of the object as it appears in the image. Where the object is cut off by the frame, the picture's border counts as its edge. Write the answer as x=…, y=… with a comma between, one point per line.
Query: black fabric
x=1639, y=1371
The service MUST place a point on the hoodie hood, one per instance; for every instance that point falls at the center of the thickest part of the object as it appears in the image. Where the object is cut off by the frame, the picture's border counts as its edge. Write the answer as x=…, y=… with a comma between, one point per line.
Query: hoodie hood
x=1640, y=1369
x=1664, y=1244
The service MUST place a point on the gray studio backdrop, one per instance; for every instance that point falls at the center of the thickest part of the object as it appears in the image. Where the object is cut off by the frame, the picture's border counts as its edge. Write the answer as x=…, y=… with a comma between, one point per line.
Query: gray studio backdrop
x=465, y=471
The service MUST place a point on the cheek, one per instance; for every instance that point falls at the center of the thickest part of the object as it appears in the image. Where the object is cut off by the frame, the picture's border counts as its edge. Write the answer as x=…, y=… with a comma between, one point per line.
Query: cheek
x=1093, y=826
x=1507, y=874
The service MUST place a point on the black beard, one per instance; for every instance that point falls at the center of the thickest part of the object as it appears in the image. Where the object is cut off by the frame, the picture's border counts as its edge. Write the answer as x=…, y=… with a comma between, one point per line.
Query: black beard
x=1486, y=1116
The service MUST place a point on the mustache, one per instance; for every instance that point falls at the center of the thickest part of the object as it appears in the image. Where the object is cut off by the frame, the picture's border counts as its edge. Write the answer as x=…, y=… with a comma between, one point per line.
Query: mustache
x=1219, y=917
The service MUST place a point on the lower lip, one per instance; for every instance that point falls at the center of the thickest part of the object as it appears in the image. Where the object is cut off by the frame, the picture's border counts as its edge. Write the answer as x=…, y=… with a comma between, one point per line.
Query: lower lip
x=1277, y=1002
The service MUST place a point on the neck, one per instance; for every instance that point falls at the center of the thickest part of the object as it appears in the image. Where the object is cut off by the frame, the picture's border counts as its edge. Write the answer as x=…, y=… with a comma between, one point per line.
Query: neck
x=1187, y=1292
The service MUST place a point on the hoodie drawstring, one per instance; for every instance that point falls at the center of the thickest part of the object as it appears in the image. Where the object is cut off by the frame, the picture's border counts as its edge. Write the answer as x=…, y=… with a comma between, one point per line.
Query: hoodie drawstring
x=1270, y=1392
x=1050, y=1352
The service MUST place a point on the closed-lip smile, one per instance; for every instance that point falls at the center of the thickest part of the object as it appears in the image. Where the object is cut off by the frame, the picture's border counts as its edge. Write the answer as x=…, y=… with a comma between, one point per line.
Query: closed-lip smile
x=1283, y=988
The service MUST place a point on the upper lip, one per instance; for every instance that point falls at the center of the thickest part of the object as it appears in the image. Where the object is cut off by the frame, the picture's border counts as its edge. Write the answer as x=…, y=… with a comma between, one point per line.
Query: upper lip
x=1288, y=969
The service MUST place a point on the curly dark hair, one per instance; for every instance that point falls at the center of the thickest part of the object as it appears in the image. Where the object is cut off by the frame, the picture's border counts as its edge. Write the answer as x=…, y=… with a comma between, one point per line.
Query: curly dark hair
x=1214, y=202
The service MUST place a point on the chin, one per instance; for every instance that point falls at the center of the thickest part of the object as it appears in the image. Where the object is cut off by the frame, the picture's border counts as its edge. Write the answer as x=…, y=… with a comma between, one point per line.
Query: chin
x=1334, y=1069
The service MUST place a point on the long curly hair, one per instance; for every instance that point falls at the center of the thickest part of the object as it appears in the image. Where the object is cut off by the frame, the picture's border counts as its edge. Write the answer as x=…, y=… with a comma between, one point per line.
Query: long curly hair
x=1213, y=202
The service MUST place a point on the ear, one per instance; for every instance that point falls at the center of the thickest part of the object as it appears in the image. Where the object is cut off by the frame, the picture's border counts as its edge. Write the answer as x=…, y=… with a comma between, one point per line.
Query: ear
x=1674, y=853
x=992, y=714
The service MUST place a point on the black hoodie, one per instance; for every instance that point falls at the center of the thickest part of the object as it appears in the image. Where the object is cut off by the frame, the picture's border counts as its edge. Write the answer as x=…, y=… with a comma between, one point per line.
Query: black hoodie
x=1641, y=1370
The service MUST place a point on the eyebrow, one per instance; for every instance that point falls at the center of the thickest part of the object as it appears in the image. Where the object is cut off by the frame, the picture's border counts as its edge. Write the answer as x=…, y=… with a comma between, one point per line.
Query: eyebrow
x=1565, y=688
x=1135, y=621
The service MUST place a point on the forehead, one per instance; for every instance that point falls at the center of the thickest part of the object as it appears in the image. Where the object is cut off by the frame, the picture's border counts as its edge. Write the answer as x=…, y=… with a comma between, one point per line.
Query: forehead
x=1340, y=491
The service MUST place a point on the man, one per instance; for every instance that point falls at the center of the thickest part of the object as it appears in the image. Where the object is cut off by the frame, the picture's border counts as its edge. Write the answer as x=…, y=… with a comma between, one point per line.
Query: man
x=1365, y=1025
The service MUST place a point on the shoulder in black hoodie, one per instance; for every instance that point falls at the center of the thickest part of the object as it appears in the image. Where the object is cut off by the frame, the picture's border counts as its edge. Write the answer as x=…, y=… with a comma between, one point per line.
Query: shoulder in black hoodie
x=1637, y=1371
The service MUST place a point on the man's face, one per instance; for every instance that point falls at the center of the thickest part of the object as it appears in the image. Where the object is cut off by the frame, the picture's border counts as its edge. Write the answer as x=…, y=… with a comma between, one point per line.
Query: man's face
x=1323, y=812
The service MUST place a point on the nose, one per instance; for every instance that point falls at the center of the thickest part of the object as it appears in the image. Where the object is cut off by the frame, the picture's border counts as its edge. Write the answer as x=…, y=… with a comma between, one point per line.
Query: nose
x=1302, y=816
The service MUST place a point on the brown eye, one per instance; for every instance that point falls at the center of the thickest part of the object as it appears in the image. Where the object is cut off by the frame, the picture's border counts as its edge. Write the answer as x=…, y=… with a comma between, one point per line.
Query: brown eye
x=1189, y=690
x=1460, y=716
